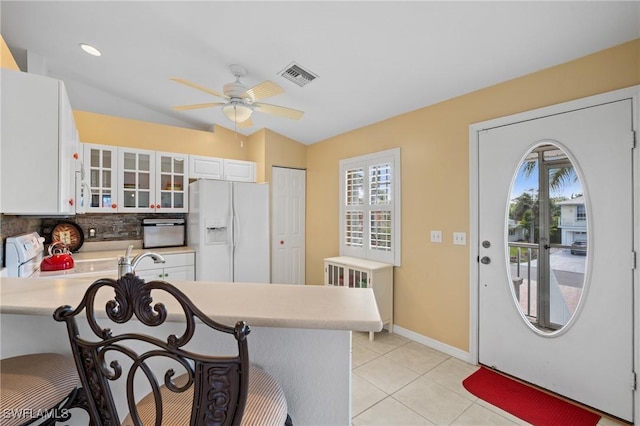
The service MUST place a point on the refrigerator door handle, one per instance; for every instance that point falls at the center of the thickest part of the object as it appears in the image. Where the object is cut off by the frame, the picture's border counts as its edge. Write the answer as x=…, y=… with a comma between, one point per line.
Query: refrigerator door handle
x=236, y=231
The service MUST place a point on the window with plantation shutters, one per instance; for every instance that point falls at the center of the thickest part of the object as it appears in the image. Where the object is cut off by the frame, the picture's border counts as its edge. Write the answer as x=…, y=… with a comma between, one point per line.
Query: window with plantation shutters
x=354, y=203
x=370, y=206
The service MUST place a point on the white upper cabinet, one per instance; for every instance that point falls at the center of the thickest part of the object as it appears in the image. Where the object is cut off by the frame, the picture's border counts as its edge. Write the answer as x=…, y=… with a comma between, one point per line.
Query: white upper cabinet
x=172, y=182
x=136, y=180
x=201, y=167
x=152, y=181
x=101, y=177
x=240, y=171
x=39, y=146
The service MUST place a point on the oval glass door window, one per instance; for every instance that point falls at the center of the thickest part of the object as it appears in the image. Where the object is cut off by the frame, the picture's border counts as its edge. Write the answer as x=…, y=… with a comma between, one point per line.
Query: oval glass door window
x=548, y=238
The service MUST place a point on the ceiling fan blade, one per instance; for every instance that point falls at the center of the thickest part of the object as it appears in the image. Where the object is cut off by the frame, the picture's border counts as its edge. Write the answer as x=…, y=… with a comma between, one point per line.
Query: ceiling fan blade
x=196, y=106
x=246, y=123
x=264, y=90
x=197, y=86
x=291, y=113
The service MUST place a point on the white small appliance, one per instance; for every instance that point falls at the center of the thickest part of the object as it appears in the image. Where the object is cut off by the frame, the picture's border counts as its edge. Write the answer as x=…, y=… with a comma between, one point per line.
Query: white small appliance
x=162, y=233
x=23, y=254
x=228, y=226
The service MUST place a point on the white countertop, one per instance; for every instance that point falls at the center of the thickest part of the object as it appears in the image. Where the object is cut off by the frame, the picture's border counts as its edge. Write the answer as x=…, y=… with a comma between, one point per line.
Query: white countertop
x=115, y=254
x=103, y=263
x=260, y=305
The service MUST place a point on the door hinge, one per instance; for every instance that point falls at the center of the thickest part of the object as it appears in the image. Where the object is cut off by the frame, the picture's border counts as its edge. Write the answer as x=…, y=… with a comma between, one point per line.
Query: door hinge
x=633, y=260
x=634, y=383
x=633, y=139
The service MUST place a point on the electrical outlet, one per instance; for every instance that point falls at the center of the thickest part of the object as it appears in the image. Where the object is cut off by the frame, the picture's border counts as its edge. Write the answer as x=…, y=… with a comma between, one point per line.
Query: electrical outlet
x=460, y=238
x=436, y=236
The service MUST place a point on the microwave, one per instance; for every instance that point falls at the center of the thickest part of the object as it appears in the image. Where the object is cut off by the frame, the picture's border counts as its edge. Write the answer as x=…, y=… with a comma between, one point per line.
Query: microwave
x=163, y=233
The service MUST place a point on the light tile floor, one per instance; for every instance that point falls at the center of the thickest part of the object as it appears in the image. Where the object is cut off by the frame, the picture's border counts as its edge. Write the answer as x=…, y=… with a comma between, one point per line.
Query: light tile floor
x=396, y=381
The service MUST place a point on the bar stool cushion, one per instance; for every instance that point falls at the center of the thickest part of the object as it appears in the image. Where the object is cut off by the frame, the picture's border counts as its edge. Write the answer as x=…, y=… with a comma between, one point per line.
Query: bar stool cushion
x=32, y=384
x=266, y=403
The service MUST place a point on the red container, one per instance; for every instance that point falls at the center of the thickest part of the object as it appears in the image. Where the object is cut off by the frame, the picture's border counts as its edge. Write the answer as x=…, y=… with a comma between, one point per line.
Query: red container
x=58, y=259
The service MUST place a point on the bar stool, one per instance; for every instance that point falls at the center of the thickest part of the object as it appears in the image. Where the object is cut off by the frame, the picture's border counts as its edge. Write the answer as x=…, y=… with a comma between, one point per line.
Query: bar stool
x=35, y=386
x=178, y=386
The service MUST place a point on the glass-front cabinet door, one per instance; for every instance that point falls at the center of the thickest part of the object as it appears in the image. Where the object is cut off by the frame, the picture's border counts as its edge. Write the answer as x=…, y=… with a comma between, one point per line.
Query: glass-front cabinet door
x=100, y=167
x=171, y=182
x=136, y=180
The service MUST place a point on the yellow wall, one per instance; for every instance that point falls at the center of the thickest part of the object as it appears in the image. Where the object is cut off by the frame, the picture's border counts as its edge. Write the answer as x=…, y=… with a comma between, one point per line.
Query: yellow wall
x=257, y=152
x=432, y=285
x=265, y=147
x=284, y=152
x=6, y=58
x=110, y=130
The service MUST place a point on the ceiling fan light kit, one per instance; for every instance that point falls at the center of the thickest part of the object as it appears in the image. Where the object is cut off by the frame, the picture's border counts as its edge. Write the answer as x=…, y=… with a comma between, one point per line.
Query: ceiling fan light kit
x=240, y=102
x=237, y=111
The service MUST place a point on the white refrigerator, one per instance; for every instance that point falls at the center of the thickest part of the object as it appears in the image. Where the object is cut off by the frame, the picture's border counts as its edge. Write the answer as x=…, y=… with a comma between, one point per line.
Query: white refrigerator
x=228, y=226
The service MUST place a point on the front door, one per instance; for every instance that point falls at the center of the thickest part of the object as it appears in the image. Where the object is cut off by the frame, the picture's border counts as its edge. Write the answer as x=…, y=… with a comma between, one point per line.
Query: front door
x=580, y=347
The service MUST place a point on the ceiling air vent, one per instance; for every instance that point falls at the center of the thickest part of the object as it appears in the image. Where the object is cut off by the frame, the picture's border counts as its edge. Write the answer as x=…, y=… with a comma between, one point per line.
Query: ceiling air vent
x=295, y=73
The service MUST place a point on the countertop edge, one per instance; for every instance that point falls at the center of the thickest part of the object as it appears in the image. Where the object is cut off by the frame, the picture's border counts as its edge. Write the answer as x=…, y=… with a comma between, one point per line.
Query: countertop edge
x=259, y=305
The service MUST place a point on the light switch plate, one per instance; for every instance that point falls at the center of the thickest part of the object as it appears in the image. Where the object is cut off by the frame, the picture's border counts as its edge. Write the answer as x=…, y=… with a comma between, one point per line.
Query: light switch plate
x=436, y=236
x=460, y=238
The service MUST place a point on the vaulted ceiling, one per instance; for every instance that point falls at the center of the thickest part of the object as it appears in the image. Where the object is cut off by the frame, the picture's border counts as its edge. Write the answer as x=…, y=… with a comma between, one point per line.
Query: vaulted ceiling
x=373, y=60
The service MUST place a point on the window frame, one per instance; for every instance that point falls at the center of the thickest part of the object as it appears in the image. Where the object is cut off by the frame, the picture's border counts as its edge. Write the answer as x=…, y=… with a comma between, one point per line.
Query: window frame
x=392, y=157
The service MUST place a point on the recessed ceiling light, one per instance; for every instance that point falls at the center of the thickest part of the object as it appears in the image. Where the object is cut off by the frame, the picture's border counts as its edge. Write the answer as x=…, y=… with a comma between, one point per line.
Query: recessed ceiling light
x=90, y=49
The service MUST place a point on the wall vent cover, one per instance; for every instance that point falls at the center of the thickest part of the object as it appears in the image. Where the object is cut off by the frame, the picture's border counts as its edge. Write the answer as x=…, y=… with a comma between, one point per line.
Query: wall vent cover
x=300, y=76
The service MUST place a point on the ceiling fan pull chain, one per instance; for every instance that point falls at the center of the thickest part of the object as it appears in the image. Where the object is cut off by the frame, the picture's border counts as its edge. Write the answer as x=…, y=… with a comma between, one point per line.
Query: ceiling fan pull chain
x=235, y=129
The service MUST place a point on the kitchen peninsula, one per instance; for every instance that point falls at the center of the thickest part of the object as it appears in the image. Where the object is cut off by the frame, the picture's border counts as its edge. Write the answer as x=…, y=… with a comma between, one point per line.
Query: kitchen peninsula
x=300, y=334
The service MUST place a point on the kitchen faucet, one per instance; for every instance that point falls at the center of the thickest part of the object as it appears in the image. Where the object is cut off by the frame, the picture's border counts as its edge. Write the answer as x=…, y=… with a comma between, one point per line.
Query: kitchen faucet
x=126, y=265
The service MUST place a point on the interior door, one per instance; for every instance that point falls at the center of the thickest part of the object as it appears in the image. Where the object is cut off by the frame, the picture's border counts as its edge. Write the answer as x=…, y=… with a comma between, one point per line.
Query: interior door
x=590, y=359
x=288, y=226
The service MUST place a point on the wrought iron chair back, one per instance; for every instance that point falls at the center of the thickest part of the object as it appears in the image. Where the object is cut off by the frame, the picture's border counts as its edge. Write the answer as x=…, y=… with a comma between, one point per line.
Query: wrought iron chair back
x=220, y=383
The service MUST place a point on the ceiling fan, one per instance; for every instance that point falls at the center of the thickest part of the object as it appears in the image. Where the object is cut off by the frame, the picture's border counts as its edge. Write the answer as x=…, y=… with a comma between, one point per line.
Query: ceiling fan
x=240, y=101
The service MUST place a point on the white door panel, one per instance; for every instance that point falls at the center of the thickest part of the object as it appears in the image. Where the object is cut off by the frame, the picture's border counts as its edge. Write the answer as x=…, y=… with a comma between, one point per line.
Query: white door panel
x=591, y=359
x=288, y=226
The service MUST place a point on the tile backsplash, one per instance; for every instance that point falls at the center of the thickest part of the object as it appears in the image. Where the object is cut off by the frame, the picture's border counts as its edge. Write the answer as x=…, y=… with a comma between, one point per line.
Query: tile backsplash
x=109, y=227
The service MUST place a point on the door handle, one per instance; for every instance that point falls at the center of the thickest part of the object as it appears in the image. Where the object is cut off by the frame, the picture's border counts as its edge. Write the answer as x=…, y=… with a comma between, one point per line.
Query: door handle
x=485, y=260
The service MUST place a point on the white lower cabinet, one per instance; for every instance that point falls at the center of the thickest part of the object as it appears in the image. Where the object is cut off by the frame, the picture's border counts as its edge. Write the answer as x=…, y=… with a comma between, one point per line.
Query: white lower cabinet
x=345, y=271
x=177, y=267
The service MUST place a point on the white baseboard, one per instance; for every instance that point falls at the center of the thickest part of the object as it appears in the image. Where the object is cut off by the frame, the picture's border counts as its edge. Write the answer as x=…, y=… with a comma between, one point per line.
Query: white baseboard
x=432, y=343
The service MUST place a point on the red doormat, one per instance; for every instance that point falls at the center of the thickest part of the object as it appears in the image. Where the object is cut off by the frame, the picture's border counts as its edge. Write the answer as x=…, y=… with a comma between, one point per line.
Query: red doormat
x=526, y=402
